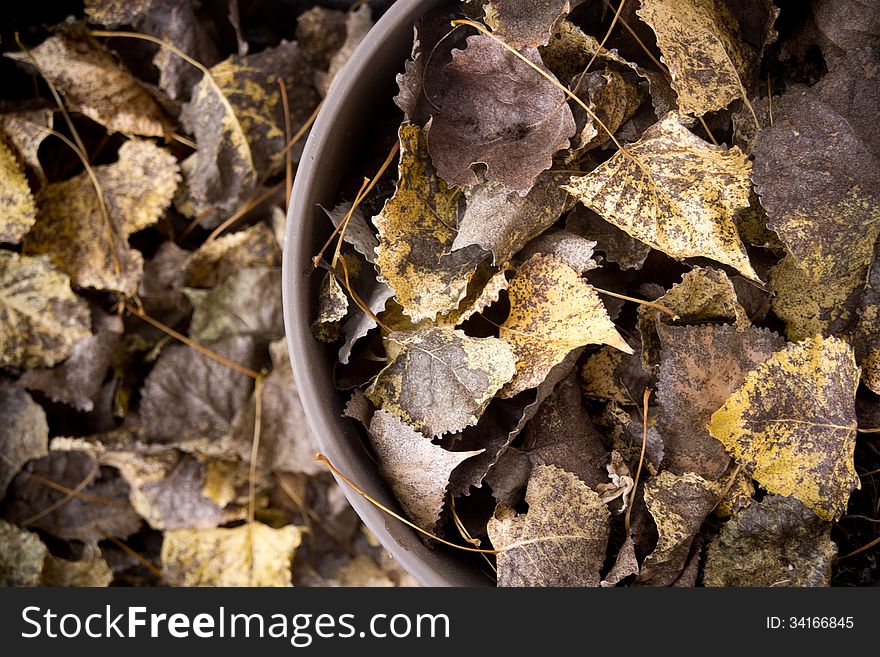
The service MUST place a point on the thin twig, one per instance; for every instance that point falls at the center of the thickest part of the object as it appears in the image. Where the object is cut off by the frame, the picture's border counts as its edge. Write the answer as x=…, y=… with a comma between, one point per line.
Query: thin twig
x=64, y=500
x=246, y=207
x=252, y=473
x=146, y=563
x=632, y=498
x=641, y=302
x=288, y=160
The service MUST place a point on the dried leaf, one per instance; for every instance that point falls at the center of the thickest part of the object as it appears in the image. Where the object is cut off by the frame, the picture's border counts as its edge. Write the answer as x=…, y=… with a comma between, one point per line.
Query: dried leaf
x=678, y=504
x=778, y=542
x=248, y=303
x=360, y=323
x=357, y=24
x=700, y=45
x=286, y=444
x=561, y=541
x=72, y=228
x=94, y=84
x=78, y=381
x=24, y=434
x=102, y=510
x=523, y=23
x=21, y=556
x=358, y=232
x=256, y=555
x=574, y=250
x=416, y=469
x=320, y=32
x=612, y=375
x=500, y=112
x=617, y=245
x=90, y=570
x=441, y=380
x=625, y=564
x=26, y=132
x=214, y=262
x=503, y=222
x=41, y=319
x=674, y=192
x=700, y=367
x=17, y=209
x=416, y=231
x=238, y=122
x=552, y=312
x=793, y=424
x=332, y=309
x=188, y=395
x=362, y=571
x=825, y=209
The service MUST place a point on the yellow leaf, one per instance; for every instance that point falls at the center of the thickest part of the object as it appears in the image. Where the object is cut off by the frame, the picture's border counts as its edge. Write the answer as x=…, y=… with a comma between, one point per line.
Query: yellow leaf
x=222, y=557
x=793, y=423
x=17, y=209
x=416, y=232
x=552, y=312
x=674, y=192
x=700, y=44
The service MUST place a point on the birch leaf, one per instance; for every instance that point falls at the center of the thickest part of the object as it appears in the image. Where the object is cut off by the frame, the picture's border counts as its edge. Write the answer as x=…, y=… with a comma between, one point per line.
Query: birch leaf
x=416, y=231
x=417, y=469
x=74, y=231
x=442, y=380
x=93, y=84
x=222, y=557
x=524, y=23
x=91, y=570
x=24, y=434
x=41, y=319
x=500, y=112
x=700, y=367
x=678, y=504
x=503, y=222
x=17, y=209
x=777, y=542
x=674, y=192
x=793, y=424
x=552, y=312
x=700, y=44
x=214, y=262
x=561, y=541
x=26, y=132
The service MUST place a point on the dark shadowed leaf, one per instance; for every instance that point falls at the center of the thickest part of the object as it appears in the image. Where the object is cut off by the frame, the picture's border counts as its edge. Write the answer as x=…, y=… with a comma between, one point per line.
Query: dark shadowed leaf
x=24, y=434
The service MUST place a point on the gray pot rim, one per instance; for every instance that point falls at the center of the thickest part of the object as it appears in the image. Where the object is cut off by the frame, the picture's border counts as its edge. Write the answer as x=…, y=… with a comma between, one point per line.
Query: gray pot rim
x=382, y=53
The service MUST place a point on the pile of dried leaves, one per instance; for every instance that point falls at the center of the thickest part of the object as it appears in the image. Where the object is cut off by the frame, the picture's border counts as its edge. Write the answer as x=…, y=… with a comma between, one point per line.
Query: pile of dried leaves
x=151, y=431
x=597, y=199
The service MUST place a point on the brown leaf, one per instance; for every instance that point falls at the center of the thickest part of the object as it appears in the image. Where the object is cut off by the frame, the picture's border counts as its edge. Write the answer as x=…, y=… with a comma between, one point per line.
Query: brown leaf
x=248, y=303
x=21, y=556
x=612, y=375
x=674, y=192
x=94, y=84
x=616, y=244
x=332, y=309
x=838, y=183
x=17, y=209
x=24, y=434
x=41, y=319
x=286, y=444
x=416, y=469
x=792, y=423
x=441, y=380
x=523, y=23
x=678, y=504
x=188, y=395
x=357, y=24
x=500, y=112
x=320, y=32
x=73, y=229
x=241, y=556
x=103, y=509
x=561, y=541
x=214, y=262
x=778, y=542
x=700, y=367
x=700, y=44
x=26, y=132
x=90, y=570
x=79, y=379
x=237, y=119
x=552, y=312
x=502, y=221
x=625, y=564
x=574, y=250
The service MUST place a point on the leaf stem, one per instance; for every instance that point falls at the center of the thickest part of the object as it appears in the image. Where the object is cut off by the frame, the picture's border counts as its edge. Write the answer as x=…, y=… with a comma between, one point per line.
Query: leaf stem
x=632, y=497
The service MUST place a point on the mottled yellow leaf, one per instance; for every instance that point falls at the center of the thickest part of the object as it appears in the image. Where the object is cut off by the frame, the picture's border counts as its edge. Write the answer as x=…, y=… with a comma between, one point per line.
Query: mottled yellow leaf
x=700, y=44
x=25, y=132
x=222, y=557
x=74, y=231
x=561, y=541
x=440, y=379
x=793, y=424
x=41, y=319
x=674, y=192
x=17, y=209
x=552, y=312
x=417, y=228
x=90, y=570
x=93, y=83
x=215, y=261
